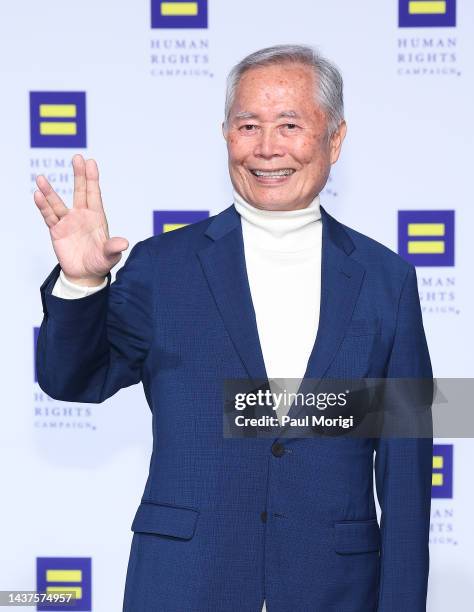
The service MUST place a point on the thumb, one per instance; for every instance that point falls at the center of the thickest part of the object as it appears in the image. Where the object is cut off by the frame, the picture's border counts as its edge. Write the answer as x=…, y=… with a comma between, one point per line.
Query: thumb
x=114, y=246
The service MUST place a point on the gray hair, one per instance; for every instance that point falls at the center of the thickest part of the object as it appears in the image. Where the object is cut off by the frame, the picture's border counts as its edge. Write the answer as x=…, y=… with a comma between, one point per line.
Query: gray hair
x=330, y=85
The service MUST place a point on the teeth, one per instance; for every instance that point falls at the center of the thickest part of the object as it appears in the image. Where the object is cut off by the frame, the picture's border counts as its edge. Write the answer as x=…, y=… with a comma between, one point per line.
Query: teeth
x=285, y=172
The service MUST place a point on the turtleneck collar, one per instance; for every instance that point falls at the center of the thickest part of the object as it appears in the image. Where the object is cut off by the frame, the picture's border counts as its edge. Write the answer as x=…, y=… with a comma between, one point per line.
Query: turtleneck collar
x=292, y=230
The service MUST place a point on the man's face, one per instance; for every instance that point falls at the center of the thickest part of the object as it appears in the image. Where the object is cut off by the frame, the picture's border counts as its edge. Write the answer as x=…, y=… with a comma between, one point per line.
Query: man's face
x=279, y=153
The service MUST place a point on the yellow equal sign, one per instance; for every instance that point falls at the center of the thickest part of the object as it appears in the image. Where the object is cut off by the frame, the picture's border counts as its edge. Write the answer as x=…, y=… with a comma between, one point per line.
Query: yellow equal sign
x=179, y=9
x=62, y=575
x=437, y=477
x=58, y=111
x=76, y=591
x=169, y=227
x=426, y=8
x=418, y=247
x=58, y=128
x=437, y=480
x=423, y=247
x=426, y=229
x=65, y=576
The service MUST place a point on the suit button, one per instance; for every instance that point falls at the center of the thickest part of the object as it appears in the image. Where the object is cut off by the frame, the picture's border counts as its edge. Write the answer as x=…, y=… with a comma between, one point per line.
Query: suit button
x=263, y=516
x=278, y=450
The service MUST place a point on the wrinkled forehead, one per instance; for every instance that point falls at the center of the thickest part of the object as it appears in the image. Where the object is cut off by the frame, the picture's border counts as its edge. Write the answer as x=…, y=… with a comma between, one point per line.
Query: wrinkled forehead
x=281, y=90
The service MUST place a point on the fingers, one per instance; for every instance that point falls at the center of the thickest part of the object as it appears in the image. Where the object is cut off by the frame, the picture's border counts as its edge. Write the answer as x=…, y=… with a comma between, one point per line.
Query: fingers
x=114, y=246
x=94, y=198
x=50, y=198
x=86, y=192
x=48, y=214
x=79, y=199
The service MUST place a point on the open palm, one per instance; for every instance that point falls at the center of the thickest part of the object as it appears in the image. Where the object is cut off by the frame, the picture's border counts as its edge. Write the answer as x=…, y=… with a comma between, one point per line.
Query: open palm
x=80, y=234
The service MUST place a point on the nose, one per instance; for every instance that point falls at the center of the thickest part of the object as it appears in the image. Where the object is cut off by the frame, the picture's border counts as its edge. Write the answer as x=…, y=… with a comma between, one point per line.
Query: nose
x=269, y=145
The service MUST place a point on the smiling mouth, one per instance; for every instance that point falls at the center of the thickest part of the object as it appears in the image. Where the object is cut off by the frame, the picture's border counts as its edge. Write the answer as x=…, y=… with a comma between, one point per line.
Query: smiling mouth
x=273, y=173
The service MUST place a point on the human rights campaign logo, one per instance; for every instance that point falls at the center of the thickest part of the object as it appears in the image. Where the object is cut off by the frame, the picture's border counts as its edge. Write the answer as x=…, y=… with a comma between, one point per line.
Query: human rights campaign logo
x=179, y=14
x=168, y=220
x=58, y=119
x=65, y=574
x=426, y=237
x=35, y=344
x=442, y=475
x=426, y=13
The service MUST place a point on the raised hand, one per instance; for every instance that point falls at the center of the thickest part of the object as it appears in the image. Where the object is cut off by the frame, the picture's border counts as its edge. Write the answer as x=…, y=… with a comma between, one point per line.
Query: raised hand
x=80, y=234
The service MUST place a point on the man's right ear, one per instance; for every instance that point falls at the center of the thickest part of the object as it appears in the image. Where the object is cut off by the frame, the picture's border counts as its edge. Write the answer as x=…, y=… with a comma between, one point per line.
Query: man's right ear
x=224, y=130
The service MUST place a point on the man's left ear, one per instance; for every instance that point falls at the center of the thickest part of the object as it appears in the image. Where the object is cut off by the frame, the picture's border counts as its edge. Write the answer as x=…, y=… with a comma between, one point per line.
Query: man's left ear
x=335, y=143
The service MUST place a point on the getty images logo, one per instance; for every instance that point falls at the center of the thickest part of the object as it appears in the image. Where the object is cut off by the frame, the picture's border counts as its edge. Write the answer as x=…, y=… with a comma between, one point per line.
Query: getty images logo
x=426, y=13
x=179, y=14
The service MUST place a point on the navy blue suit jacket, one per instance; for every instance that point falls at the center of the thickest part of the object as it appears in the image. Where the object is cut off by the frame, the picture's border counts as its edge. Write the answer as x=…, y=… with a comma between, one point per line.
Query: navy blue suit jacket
x=223, y=522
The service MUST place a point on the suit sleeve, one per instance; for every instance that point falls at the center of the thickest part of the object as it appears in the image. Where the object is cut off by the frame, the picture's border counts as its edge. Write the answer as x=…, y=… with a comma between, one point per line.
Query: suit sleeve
x=403, y=468
x=88, y=348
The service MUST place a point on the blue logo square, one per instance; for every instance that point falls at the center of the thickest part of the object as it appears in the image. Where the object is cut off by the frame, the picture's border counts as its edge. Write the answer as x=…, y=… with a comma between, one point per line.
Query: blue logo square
x=426, y=237
x=35, y=344
x=427, y=13
x=442, y=477
x=73, y=574
x=179, y=14
x=58, y=119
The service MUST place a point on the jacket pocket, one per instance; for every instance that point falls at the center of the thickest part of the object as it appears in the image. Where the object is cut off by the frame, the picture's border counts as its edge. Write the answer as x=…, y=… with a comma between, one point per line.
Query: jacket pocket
x=356, y=536
x=165, y=519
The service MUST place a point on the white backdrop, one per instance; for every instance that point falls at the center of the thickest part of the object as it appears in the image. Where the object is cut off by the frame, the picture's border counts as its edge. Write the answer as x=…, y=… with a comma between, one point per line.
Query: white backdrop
x=72, y=475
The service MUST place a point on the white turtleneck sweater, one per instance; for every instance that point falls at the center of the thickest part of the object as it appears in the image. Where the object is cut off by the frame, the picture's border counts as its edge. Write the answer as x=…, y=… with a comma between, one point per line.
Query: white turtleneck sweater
x=283, y=261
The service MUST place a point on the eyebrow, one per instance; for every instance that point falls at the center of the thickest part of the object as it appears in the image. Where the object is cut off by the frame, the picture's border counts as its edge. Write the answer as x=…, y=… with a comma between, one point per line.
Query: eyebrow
x=249, y=115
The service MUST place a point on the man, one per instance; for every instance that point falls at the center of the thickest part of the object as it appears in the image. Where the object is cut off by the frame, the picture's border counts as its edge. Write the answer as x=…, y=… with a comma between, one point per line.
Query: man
x=225, y=524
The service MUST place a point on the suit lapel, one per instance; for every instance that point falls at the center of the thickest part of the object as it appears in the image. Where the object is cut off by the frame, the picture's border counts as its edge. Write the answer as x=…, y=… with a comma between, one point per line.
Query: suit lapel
x=341, y=281
x=223, y=264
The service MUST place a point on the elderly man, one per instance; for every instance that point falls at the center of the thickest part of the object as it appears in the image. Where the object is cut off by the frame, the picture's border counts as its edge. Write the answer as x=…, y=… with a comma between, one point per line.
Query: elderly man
x=273, y=286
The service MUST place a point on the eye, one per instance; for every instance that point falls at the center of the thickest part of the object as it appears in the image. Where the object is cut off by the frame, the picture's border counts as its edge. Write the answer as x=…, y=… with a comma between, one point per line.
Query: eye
x=291, y=126
x=248, y=127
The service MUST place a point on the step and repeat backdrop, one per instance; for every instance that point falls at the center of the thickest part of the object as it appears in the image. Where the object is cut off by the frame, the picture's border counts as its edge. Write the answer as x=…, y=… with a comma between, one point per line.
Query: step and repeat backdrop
x=139, y=86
